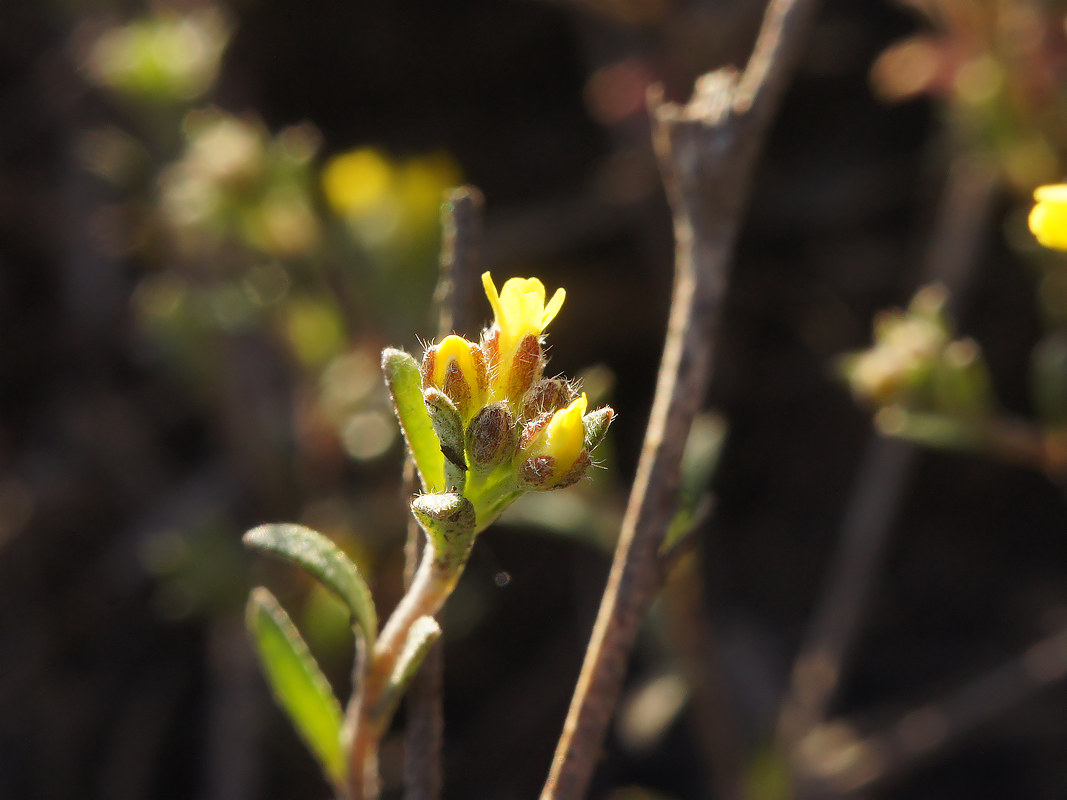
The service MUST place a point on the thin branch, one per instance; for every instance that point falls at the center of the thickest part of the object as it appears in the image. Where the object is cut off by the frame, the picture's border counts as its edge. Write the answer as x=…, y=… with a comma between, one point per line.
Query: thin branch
x=882, y=478
x=835, y=760
x=461, y=217
x=706, y=150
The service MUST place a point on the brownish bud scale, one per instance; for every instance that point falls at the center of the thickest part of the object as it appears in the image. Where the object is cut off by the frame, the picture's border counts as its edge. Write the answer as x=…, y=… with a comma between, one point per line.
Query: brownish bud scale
x=532, y=428
x=456, y=387
x=490, y=438
x=596, y=426
x=535, y=473
x=547, y=395
x=525, y=368
x=491, y=346
x=426, y=369
x=541, y=473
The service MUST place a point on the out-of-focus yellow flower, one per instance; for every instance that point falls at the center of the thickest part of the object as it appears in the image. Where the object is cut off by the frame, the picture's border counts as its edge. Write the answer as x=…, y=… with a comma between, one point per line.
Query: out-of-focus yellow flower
x=357, y=182
x=457, y=368
x=513, y=343
x=557, y=456
x=1048, y=219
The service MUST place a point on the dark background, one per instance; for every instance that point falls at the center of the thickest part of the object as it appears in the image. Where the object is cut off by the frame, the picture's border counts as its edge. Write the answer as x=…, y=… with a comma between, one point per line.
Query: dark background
x=110, y=690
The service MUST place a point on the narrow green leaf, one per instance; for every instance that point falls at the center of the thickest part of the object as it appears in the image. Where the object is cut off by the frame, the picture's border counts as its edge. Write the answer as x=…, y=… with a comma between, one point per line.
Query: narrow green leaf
x=326, y=561
x=404, y=380
x=297, y=682
x=424, y=632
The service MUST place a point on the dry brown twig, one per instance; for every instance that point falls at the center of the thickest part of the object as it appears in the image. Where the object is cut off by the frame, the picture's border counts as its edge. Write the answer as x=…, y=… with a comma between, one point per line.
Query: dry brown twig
x=707, y=150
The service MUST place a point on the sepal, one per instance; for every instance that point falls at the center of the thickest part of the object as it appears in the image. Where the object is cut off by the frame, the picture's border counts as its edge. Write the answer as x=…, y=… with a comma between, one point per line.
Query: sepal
x=449, y=521
x=490, y=438
x=449, y=427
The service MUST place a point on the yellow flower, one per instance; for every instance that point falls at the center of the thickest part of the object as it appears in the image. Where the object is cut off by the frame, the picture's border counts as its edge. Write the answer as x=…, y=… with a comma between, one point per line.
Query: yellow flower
x=1048, y=219
x=456, y=367
x=557, y=456
x=358, y=182
x=513, y=344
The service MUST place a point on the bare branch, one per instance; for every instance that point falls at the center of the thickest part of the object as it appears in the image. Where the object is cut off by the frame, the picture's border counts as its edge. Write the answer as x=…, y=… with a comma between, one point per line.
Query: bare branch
x=835, y=760
x=461, y=218
x=706, y=150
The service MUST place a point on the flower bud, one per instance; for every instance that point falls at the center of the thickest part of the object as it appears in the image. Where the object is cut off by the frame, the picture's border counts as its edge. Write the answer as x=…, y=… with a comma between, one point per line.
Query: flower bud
x=491, y=438
x=449, y=521
x=449, y=428
x=548, y=394
x=596, y=426
x=457, y=368
x=525, y=368
x=554, y=452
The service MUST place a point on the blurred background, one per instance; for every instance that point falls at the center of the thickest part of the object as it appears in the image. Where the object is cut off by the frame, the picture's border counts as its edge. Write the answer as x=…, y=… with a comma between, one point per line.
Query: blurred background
x=213, y=216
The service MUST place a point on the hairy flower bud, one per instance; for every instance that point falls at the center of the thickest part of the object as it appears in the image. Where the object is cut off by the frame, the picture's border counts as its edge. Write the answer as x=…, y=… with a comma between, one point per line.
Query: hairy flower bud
x=525, y=368
x=596, y=426
x=491, y=438
x=553, y=451
x=547, y=395
x=449, y=521
x=457, y=368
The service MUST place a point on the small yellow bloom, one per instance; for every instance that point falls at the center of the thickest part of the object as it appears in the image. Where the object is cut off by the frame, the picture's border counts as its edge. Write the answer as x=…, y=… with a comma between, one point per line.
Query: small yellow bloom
x=456, y=367
x=557, y=456
x=520, y=313
x=564, y=435
x=1048, y=219
x=357, y=182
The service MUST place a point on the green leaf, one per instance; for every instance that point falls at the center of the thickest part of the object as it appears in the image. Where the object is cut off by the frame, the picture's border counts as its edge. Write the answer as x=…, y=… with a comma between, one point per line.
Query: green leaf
x=326, y=561
x=297, y=682
x=404, y=380
x=424, y=632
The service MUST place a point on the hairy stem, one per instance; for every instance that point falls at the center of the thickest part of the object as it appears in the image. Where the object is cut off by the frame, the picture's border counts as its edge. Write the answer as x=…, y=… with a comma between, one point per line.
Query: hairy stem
x=368, y=715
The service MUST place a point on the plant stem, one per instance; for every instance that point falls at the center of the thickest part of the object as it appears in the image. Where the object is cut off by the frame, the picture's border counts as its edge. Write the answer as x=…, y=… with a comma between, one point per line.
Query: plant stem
x=706, y=151
x=368, y=716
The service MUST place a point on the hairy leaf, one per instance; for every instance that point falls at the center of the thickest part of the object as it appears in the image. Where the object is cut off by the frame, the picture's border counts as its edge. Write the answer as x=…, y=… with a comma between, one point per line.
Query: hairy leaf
x=324, y=560
x=404, y=380
x=297, y=682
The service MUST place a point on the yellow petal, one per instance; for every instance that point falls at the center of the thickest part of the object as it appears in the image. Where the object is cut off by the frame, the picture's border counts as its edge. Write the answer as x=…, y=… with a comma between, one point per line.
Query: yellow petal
x=1048, y=222
x=491, y=293
x=523, y=300
x=1054, y=192
x=553, y=307
x=565, y=433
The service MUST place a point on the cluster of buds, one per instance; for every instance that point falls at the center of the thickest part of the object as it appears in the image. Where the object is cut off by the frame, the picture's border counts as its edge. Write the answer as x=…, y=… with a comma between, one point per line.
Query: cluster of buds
x=918, y=364
x=496, y=414
x=486, y=425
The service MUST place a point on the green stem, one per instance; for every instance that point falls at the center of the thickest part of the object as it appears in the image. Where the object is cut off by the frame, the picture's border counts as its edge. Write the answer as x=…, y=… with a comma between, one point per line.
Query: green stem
x=368, y=714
